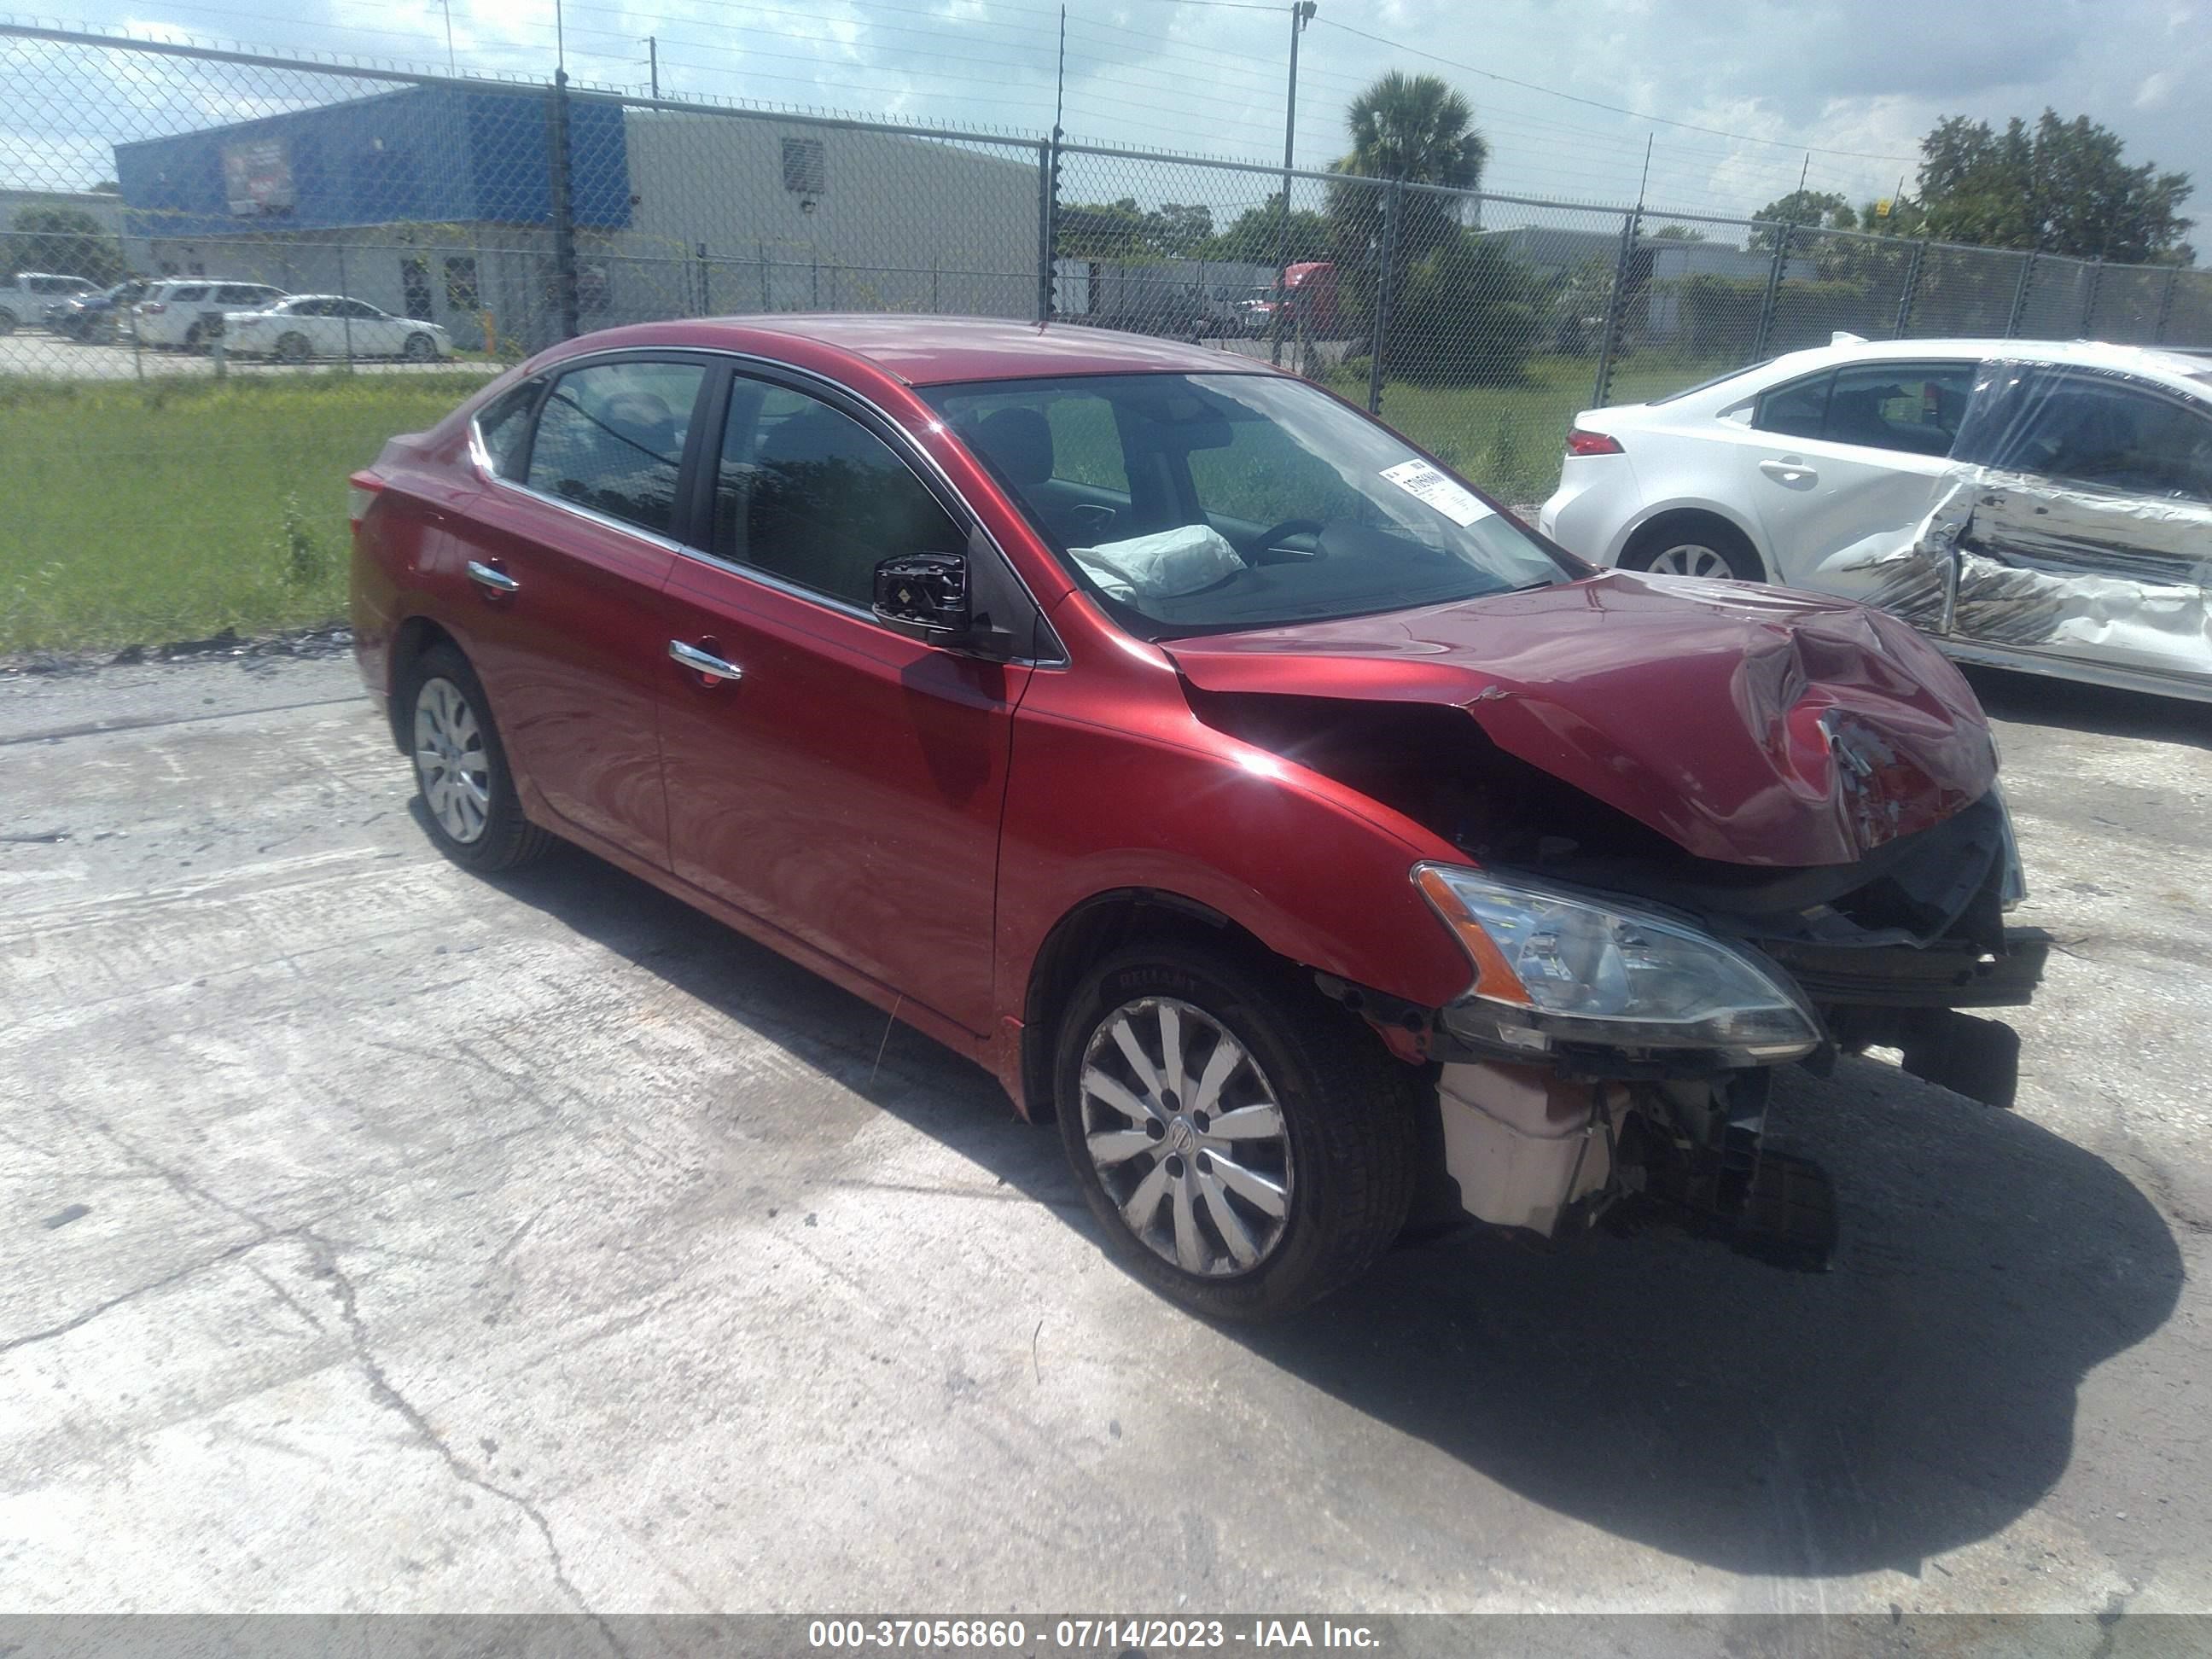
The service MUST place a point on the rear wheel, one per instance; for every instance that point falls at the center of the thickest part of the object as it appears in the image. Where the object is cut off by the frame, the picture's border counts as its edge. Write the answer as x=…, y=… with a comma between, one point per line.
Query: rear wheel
x=196, y=338
x=1699, y=546
x=460, y=766
x=1246, y=1145
x=7, y=322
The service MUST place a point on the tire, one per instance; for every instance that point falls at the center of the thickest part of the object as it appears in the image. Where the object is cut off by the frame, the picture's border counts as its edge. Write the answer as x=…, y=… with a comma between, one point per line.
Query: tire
x=1701, y=546
x=419, y=348
x=196, y=338
x=7, y=322
x=293, y=348
x=460, y=766
x=1338, y=1158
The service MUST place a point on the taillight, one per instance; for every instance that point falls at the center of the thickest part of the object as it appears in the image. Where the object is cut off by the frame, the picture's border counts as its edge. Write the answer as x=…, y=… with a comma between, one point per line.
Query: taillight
x=1583, y=442
x=362, y=491
x=153, y=307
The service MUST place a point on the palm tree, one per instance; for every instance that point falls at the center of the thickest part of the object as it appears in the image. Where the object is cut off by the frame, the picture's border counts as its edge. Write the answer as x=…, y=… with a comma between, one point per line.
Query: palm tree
x=1409, y=129
x=1416, y=128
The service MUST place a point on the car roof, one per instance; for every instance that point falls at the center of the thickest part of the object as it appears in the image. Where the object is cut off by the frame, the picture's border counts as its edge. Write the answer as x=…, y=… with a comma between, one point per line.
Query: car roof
x=939, y=350
x=2191, y=373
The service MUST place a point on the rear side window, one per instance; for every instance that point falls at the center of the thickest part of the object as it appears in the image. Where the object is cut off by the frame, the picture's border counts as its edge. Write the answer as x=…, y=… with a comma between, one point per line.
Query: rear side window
x=805, y=492
x=183, y=295
x=1912, y=407
x=503, y=427
x=611, y=438
x=1797, y=410
x=240, y=294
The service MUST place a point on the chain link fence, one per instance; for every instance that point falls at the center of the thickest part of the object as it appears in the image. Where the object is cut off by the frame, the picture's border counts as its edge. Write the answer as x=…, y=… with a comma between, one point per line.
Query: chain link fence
x=174, y=213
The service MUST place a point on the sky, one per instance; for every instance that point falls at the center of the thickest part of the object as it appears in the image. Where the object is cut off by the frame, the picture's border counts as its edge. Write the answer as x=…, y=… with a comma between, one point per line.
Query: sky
x=1735, y=101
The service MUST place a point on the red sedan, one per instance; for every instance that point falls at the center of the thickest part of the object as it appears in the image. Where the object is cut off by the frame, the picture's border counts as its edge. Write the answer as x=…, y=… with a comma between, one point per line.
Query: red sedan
x=1318, y=846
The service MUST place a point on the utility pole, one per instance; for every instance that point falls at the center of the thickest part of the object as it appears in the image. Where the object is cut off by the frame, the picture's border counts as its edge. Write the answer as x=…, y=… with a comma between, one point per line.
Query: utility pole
x=653, y=57
x=1302, y=13
x=448, y=5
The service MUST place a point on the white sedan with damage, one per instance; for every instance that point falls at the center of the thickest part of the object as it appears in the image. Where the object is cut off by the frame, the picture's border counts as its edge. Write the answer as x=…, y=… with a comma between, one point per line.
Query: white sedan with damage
x=2031, y=505
x=302, y=326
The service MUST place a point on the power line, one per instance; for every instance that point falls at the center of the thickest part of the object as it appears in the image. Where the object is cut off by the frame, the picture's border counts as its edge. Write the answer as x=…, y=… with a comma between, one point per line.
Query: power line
x=1616, y=109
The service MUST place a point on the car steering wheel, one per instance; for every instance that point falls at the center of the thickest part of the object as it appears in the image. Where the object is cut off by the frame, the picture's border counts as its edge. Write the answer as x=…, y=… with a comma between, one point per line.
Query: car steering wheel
x=1267, y=542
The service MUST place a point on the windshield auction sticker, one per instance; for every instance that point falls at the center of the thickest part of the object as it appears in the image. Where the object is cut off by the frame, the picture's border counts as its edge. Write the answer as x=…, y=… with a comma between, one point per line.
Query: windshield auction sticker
x=1425, y=484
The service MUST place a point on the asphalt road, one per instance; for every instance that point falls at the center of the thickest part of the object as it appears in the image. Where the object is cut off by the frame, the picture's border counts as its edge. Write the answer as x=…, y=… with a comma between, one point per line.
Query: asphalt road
x=377, y=1237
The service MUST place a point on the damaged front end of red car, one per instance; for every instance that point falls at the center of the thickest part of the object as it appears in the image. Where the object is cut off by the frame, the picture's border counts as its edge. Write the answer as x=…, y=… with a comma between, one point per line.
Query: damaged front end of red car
x=1707, y=829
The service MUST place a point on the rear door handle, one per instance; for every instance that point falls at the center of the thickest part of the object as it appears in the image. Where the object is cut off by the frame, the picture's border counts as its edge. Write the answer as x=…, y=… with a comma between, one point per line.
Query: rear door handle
x=1790, y=470
x=705, y=663
x=491, y=580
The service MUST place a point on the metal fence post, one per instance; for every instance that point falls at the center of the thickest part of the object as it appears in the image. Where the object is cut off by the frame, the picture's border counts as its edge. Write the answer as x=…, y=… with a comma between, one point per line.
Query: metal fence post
x=706, y=284
x=130, y=311
x=1616, y=319
x=761, y=247
x=564, y=209
x=1771, y=299
x=1048, y=189
x=2165, y=304
x=1386, y=279
x=2089, y=300
x=347, y=292
x=2019, y=297
x=1910, y=290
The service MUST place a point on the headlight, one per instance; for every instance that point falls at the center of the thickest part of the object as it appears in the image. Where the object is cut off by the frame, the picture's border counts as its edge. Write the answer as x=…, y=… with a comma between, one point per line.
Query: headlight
x=1555, y=967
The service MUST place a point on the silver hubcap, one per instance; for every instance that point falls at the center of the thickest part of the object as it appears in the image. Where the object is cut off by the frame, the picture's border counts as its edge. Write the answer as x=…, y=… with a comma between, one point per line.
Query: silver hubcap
x=1692, y=559
x=1187, y=1136
x=450, y=761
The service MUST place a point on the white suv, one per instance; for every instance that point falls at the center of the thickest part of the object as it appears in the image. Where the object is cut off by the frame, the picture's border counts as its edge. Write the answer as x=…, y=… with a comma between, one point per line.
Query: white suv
x=186, y=311
x=24, y=296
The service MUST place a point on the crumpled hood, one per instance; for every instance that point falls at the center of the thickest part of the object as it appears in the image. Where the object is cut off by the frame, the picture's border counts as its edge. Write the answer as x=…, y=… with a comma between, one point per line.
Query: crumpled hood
x=1746, y=723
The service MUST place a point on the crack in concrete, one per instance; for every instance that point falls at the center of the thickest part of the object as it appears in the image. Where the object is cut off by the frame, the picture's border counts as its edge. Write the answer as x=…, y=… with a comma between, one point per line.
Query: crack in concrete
x=113, y=1302
x=386, y=1394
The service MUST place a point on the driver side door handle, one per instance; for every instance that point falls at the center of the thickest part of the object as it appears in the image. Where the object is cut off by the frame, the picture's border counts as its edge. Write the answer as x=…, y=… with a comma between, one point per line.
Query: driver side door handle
x=709, y=667
x=1790, y=470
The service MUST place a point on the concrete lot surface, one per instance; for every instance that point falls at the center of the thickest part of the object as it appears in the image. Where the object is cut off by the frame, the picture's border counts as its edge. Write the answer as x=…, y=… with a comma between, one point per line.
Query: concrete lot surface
x=56, y=357
x=377, y=1237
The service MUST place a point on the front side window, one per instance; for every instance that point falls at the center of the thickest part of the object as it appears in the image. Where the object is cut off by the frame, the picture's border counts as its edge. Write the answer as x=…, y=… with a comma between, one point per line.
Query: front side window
x=239, y=295
x=187, y=296
x=804, y=492
x=611, y=438
x=2116, y=437
x=1236, y=500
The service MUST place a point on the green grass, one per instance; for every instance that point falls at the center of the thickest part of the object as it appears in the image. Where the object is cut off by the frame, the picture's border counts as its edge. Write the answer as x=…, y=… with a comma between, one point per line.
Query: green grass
x=1510, y=439
x=140, y=514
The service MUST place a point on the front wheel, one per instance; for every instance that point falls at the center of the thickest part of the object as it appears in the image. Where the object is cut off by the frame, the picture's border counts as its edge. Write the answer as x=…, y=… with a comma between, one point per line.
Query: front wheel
x=460, y=766
x=1247, y=1147
x=419, y=348
x=293, y=348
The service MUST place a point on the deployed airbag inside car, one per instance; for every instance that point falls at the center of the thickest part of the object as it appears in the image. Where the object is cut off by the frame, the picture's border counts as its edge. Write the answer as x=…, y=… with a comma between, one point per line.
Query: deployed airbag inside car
x=1160, y=566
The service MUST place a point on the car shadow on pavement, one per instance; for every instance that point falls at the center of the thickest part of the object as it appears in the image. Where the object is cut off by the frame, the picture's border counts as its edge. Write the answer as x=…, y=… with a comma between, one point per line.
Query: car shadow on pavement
x=2099, y=710
x=1918, y=1397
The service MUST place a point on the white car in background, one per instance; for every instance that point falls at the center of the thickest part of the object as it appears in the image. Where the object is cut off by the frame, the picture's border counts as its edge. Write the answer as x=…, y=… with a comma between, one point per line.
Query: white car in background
x=305, y=325
x=185, y=313
x=2043, y=506
x=24, y=296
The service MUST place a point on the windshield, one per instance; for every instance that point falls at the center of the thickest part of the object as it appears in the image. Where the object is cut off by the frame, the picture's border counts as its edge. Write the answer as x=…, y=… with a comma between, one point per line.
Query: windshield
x=1194, y=504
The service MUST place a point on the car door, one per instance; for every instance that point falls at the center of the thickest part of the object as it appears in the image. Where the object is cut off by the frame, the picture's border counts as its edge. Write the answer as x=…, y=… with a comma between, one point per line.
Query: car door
x=558, y=567
x=846, y=787
x=1839, y=464
x=2090, y=535
x=375, y=333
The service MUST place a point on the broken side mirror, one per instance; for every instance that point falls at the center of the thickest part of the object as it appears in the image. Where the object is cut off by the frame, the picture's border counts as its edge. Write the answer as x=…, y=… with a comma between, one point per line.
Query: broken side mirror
x=925, y=596
x=924, y=592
